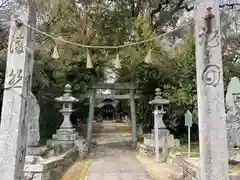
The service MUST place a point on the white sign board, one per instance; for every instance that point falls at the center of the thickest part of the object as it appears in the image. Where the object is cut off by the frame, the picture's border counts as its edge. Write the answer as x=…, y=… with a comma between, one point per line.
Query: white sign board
x=188, y=118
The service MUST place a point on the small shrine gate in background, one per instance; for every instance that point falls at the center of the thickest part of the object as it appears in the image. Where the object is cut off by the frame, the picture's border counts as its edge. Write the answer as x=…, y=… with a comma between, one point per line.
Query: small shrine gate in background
x=92, y=95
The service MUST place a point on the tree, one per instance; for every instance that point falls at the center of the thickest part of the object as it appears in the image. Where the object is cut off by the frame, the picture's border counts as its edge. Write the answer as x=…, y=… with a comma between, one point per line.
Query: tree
x=173, y=71
x=126, y=22
x=113, y=23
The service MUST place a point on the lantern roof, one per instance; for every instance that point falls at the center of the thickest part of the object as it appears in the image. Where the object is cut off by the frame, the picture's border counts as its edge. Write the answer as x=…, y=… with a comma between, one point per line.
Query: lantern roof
x=158, y=100
x=67, y=96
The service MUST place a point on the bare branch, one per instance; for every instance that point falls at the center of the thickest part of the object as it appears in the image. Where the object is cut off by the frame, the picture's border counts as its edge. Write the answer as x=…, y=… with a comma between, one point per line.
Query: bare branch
x=4, y=3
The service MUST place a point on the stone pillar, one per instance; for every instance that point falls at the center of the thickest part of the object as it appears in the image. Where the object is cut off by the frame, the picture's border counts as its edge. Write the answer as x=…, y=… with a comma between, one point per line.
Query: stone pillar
x=133, y=117
x=13, y=136
x=211, y=109
x=91, y=117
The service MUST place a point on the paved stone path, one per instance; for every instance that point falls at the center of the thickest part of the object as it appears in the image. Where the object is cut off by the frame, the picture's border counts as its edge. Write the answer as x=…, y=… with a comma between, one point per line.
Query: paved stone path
x=114, y=158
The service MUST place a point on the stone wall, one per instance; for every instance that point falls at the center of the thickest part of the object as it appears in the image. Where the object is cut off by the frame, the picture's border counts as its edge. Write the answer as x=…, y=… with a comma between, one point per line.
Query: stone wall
x=183, y=170
x=187, y=171
x=51, y=168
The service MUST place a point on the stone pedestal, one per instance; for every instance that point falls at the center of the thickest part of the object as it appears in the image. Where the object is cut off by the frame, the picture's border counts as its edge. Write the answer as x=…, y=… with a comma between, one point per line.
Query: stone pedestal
x=165, y=144
x=63, y=140
x=65, y=135
x=161, y=133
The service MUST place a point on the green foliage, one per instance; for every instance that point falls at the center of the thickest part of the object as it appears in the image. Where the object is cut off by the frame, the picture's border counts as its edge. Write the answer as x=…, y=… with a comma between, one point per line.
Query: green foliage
x=117, y=22
x=175, y=76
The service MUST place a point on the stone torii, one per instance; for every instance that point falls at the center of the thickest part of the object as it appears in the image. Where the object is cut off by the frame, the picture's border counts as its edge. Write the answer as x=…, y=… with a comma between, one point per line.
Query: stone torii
x=116, y=86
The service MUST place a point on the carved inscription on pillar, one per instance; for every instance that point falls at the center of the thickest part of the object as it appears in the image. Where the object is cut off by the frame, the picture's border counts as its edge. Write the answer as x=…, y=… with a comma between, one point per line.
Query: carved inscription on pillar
x=13, y=136
x=211, y=75
x=14, y=78
x=209, y=38
x=211, y=106
x=17, y=41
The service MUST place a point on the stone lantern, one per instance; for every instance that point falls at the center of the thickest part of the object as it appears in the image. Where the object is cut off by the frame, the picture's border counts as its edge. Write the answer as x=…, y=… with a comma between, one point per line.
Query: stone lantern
x=67, y=100
x=160, y=131
x=66, y=136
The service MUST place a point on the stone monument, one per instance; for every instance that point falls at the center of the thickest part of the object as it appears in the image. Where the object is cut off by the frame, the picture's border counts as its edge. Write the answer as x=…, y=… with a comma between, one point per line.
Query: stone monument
x=233, y=119
x=33, y=126
x=34, y=152
x=65, y=137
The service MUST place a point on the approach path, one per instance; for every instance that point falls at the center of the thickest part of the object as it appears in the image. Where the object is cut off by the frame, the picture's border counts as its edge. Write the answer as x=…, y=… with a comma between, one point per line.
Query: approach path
x=114, y=158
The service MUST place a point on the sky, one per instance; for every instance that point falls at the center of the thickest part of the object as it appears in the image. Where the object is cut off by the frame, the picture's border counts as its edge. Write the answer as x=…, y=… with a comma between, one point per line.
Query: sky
x=110, y=78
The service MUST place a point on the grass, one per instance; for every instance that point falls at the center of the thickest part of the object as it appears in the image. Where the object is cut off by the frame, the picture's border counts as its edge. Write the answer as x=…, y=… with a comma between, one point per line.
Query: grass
x=184, y=148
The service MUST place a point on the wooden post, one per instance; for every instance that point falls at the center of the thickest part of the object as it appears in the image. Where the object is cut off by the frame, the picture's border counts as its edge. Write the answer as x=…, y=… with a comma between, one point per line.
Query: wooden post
x=14, y=121
x=211, y=109
x=133, y=117
x=91, y=117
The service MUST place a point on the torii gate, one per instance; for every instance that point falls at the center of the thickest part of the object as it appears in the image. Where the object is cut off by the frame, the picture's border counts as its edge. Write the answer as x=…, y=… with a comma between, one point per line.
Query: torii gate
x=116, y=86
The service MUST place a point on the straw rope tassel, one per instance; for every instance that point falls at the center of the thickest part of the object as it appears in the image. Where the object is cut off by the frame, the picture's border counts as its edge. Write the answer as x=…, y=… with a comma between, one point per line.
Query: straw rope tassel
x=55, y=54
x=117, y=62
x=148, y=58
x=89, y=60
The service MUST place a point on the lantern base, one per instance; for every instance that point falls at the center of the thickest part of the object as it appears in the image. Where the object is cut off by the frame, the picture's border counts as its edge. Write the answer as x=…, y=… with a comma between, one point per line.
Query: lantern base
x=63, y=140
x=165, y=144
x=65, y=135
